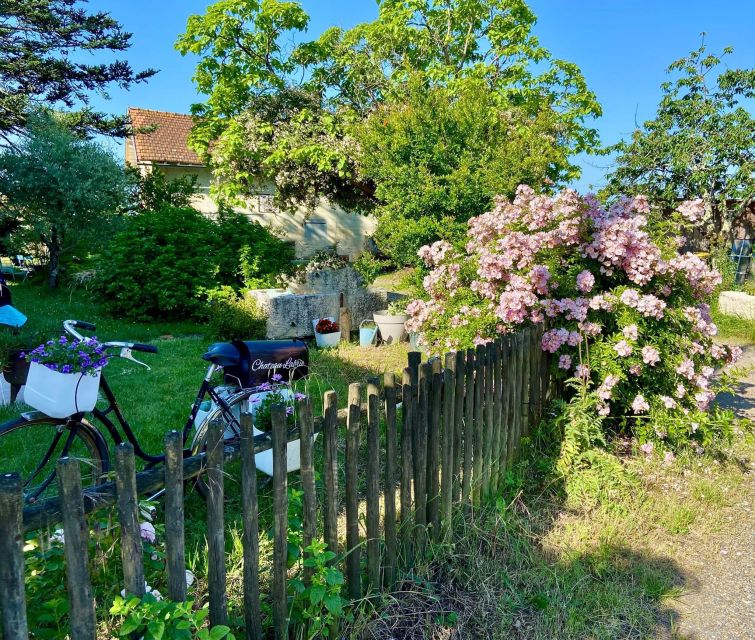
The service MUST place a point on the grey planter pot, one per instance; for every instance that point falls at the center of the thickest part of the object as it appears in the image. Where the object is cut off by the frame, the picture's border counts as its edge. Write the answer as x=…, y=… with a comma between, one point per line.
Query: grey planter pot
x=392, y=329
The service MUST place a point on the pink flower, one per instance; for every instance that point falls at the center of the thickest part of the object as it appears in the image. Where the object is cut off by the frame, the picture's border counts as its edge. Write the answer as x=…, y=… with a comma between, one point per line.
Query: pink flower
x=692, y=210
x=630, y=332
x=735, y=353
x=650, y=355
x=635, y=369
x=669, y=403
x=564, y=362
x=647, y=448
x=603, y=409
x=585, y=281
x=623, y=348
x=681, y=391
x=582, y=371
x=668, y=458
x=686, y=369
x=605, y=389
x=639, y=404
x=147, y=531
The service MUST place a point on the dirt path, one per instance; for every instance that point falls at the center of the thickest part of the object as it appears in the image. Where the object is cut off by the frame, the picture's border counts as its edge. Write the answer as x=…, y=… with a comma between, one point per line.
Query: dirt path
x=719, y=598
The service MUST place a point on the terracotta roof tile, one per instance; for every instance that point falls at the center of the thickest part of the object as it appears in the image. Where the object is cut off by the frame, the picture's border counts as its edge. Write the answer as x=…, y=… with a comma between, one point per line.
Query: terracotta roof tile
x=168, y=143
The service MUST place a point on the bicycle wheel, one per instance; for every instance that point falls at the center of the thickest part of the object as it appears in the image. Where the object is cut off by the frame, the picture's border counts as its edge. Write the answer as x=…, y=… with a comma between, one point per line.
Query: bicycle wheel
x=231, y=418
x=31, y=446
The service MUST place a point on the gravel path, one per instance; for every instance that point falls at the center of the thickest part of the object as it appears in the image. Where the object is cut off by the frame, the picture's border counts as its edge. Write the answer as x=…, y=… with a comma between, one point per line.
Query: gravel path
x=719, y=601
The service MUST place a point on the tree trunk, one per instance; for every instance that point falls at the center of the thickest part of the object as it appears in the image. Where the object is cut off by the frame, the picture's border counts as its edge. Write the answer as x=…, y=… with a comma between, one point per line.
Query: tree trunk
x=54, y=265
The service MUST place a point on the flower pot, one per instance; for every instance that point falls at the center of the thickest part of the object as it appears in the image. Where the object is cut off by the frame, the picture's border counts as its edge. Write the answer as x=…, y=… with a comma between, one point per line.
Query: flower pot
x=326, y=340
x=60, y=395
x=392, y=329
x=17, y=370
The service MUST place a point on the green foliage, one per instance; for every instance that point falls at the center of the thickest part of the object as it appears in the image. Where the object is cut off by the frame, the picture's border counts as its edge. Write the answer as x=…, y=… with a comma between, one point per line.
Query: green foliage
x=163, y=261
x=234, y=317
x=153, y=190
x=290, y=115
x=701, y=142
x=43, y=62
x=439, y=156
x=63, y=190
x=153, y=619
x=369, y=266
x=319, y=607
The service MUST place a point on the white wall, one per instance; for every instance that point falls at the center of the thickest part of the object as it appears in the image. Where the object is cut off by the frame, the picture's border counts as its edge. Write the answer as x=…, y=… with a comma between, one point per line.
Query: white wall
x=322, y=228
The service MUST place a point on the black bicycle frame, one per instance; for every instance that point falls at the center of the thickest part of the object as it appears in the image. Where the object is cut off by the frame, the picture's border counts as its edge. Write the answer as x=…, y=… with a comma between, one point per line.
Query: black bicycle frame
x=113, y=407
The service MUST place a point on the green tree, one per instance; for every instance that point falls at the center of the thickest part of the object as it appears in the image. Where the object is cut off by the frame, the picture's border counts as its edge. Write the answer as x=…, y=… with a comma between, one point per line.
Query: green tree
x=60, y=188
x=289, y=115
x=439, y=156
x=154, y=190
x=701, y=143
x=39, y=65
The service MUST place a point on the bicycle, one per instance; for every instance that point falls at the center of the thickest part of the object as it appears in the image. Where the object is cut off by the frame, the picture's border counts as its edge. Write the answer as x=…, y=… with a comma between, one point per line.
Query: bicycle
x=32, y=443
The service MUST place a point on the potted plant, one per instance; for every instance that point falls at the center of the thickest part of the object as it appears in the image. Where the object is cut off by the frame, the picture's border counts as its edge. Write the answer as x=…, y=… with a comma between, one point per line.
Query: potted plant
x=391, y=322
x=64, y=376
x=327, y=332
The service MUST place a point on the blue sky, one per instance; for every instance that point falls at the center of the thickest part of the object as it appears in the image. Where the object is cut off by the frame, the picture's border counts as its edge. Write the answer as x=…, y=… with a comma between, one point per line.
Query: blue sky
x=622, y=47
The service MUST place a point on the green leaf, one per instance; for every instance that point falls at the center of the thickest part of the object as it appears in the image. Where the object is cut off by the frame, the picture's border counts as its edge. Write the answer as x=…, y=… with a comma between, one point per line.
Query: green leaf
x=156, y=628
x=334, y=604
x=316, y=594
x=219, y=631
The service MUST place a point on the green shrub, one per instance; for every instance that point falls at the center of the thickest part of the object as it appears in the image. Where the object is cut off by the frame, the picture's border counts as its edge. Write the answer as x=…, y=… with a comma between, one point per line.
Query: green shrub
x=369, y=266
x=161, y=263
x=232, y=317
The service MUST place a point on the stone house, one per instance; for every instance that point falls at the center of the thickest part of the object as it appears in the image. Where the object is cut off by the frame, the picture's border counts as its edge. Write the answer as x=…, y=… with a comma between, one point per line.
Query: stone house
x=166, y=146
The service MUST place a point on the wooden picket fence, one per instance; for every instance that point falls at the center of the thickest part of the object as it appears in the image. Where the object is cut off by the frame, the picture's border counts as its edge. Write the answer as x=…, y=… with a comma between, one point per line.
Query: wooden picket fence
x=448, y=442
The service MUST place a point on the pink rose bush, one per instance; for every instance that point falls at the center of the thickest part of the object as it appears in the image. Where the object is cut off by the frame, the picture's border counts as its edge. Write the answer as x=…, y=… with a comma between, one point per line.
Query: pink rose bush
x=622, y=308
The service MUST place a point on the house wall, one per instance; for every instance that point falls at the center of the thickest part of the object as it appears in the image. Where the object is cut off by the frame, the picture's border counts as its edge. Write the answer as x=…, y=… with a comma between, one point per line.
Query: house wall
x=326, y=226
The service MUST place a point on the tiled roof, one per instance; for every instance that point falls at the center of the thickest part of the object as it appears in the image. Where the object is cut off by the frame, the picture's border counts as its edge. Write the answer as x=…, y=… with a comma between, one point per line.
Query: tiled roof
x=168, y=142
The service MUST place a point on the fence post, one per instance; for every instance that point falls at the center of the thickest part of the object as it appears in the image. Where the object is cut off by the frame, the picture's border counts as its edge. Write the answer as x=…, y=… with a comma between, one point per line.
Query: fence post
x=479, y=425
x=174, y=517
x=216, y=572
x=513, y=398
x=487, y=455
x=503, y=454
x=447, y=442
x=495, y=455
x=466, y=487
x=420, y=455
x=12, y=594
x=306, y=434
x=76, y=532
x=330, y=426
x=389, y=386
x=280, y=521
x=526, y=362
x=251, y=544
x=128, y=511
x=433, y=448
x=373, y=485
x=407, y=430
x=458, y=424
x=353, y=577
x=519, y=409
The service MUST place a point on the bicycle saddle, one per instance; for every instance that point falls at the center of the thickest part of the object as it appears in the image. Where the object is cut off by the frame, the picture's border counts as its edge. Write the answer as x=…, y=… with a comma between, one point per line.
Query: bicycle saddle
x=223, y=354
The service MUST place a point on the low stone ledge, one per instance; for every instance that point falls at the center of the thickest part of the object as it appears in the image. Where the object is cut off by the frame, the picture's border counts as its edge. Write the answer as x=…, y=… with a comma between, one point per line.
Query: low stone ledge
x=737, y=303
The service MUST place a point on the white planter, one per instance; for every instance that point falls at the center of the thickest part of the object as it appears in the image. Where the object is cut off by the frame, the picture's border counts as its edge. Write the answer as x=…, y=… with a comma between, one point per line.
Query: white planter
x=264, y=460
x=326, y=340
x=392, y=327
x=60, y=395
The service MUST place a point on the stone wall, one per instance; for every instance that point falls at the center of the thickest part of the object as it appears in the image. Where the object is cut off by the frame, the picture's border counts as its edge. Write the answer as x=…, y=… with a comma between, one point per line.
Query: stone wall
x=319, y=295
x=737, y=303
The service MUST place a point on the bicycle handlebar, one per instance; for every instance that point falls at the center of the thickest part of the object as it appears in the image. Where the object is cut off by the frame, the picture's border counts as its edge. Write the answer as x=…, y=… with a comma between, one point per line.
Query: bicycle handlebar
x=71, y=325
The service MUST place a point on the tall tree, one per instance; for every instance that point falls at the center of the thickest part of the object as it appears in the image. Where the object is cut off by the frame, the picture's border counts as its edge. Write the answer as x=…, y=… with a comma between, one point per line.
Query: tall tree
x=60, y=188
x=41, y=42
x=288, y=114
x=701, y=143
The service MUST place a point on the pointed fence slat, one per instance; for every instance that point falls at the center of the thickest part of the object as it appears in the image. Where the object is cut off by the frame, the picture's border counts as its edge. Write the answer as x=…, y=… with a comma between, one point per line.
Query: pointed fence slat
x=447, y=440
x=128, y=510
x=12, y=593
x=459, y=374
x=421, y=454
x=469, y=402
x=76, y=532
x=433, y=446
x=280, y=521
x=353, y=578
x=307, y=470
x=174, y=517
x=391, y=437
x=479, y=422
x=216, y=570
x=487, y=454
x=373, y=485
x=408, y=394
x=251, y=542
x=330, y=426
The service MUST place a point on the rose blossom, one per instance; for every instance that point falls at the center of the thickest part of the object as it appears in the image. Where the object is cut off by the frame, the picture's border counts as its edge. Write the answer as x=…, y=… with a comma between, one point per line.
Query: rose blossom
x=650, y=355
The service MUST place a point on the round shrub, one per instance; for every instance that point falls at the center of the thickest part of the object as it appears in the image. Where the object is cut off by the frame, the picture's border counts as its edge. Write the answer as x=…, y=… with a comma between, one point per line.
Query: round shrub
x=625, y=312
x=162, y=261
x=234, y=317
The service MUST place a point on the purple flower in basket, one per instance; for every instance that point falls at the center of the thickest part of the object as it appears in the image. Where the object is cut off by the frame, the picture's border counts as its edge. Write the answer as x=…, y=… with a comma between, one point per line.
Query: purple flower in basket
x=276, y=377
x=69, y=356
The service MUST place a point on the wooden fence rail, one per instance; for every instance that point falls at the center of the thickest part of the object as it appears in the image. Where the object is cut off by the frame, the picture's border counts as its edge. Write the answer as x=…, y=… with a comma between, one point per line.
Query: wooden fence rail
x=448, y=442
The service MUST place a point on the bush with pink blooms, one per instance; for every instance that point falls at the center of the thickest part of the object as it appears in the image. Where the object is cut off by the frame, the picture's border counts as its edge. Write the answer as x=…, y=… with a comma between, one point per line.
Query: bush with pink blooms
x=624, y=310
